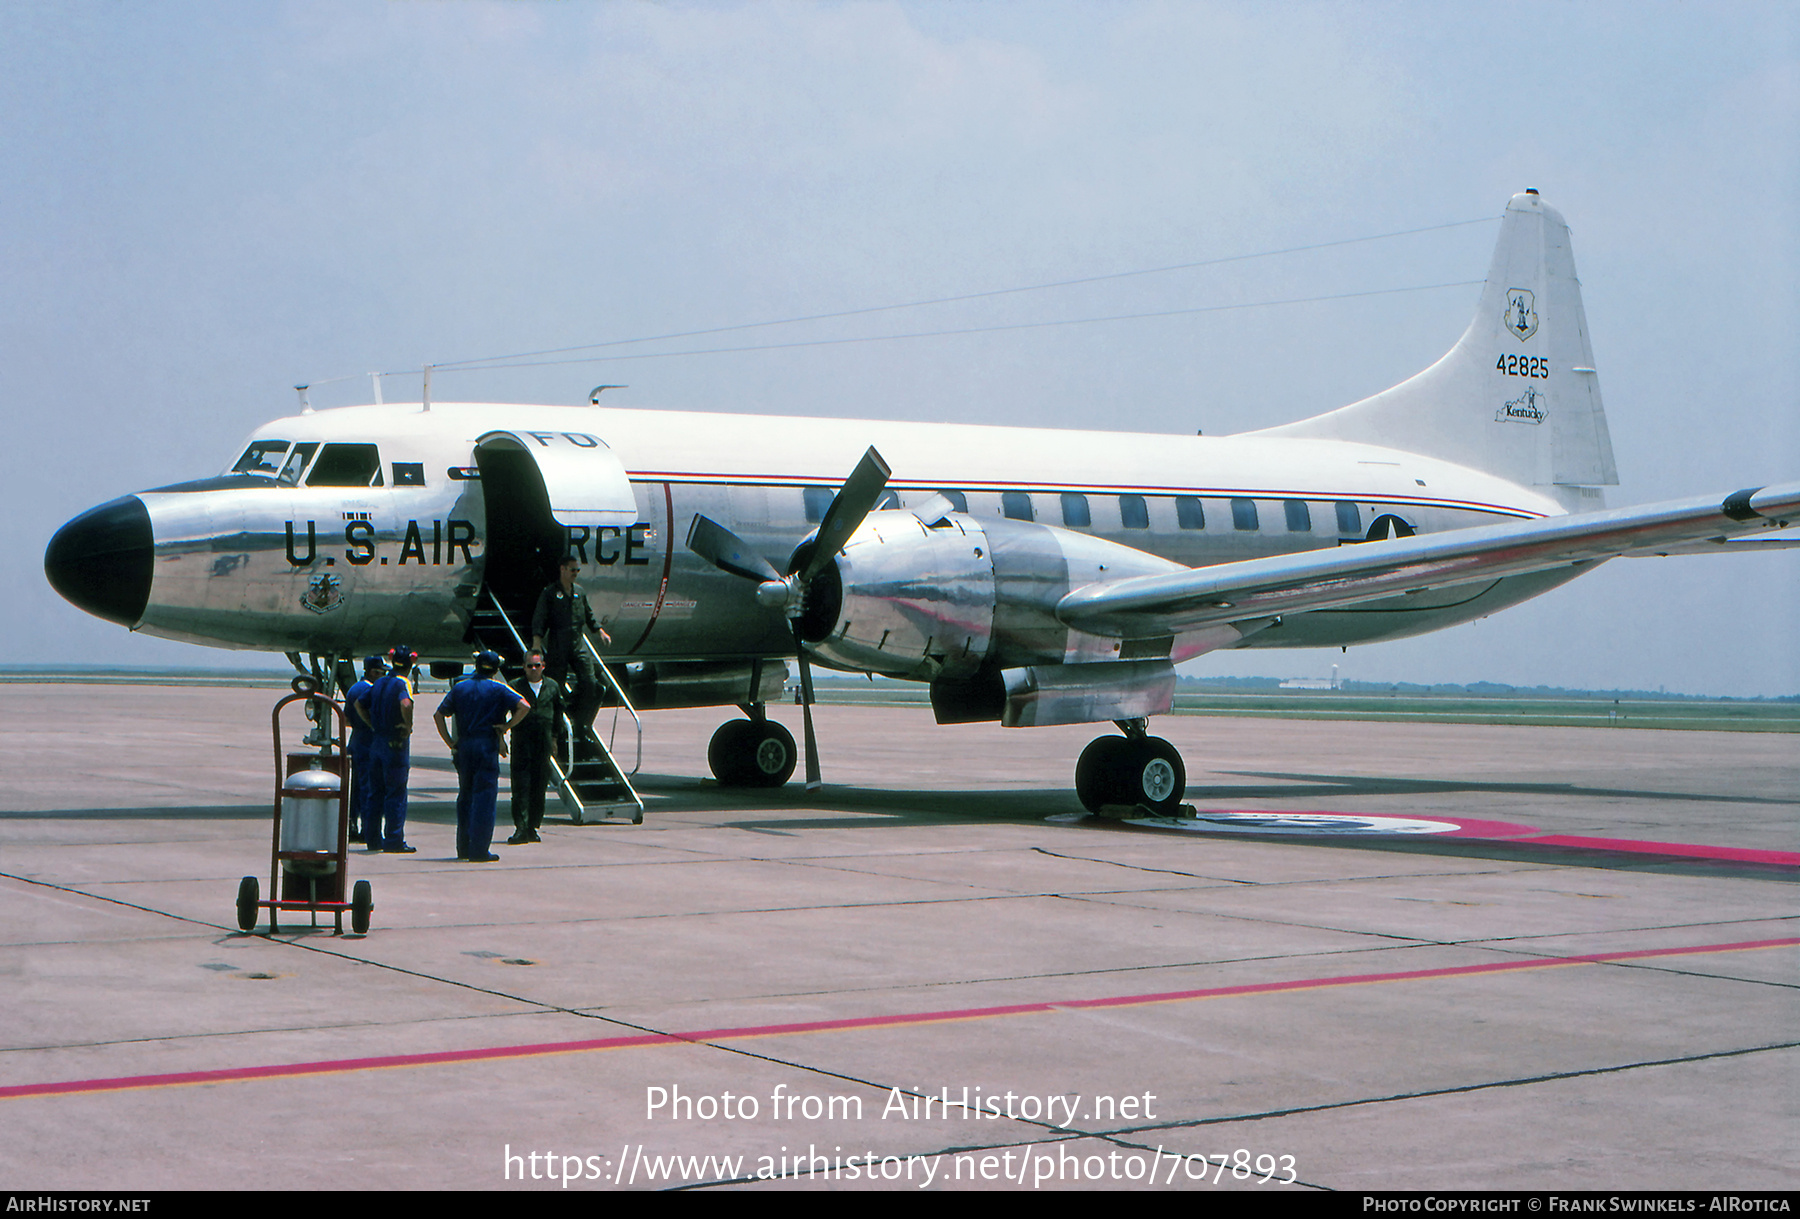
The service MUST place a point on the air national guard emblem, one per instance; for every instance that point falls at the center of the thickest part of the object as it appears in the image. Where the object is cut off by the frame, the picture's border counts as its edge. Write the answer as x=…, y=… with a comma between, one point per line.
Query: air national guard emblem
x=1521, y=315
x=323, y=593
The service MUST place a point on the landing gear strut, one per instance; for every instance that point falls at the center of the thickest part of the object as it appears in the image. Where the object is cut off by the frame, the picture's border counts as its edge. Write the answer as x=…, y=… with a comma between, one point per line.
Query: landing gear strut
x=754, y=752
x=1132, y=769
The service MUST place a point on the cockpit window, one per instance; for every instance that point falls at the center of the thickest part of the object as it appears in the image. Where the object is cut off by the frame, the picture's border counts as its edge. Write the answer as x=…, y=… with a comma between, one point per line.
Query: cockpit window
x=262, y=457
x=296, y=462
x=347, y=465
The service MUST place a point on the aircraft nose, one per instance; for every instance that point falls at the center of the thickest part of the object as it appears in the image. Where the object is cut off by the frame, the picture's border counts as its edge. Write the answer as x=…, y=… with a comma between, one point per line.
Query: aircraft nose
x=102, y=560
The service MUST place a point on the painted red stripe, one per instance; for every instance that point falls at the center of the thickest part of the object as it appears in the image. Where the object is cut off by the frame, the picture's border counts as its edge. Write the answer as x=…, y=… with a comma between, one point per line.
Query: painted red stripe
x=443, y=1057
x=990, y=485
x=1691, y=850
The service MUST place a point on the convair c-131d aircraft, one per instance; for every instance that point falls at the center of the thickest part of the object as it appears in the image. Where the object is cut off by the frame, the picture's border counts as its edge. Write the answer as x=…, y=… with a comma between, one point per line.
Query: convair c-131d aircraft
x=1029, y=576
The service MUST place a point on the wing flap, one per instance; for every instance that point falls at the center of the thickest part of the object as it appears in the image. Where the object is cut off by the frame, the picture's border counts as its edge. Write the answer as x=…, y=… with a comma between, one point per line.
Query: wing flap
x=1369, y=571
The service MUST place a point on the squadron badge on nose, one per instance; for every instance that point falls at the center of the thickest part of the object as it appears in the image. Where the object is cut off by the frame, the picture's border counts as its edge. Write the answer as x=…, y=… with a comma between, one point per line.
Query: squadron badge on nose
x=323, y=593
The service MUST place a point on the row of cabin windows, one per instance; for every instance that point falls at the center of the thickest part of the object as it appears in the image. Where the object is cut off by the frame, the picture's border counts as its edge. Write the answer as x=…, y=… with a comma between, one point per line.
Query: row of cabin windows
x=338, y=465
x=359, y=465
x=1134, y=510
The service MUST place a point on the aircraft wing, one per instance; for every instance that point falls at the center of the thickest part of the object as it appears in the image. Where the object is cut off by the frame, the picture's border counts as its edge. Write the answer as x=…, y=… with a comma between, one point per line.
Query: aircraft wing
x=1148, y=606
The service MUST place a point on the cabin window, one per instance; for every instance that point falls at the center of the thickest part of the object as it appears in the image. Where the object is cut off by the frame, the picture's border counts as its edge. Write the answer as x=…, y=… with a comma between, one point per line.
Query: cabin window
x=1243, y=516
x=409, y=474
x=1349, y=519
x=1133, y=512
x=1075, y=510
x=346, y=465
x=1299, y=516
x=958, y=501
x=262, y=457
x=296, y=462
x=1188, y=512
x=1016, y=505
x=818, y=502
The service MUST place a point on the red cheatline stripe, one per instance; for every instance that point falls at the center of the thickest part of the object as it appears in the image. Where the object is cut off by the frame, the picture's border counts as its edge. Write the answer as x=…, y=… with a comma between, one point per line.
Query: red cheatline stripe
x=1688, y=850
x=337, y=1066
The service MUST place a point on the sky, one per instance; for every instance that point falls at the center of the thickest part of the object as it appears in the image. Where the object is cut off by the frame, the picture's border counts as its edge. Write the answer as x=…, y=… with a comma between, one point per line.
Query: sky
x=206, y=204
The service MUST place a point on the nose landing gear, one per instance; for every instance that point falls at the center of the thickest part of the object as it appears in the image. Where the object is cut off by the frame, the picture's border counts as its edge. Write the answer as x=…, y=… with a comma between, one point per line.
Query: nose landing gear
x=1131, y=770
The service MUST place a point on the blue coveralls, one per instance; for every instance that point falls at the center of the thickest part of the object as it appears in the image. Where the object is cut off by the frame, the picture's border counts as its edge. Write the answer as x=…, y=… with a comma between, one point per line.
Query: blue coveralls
x=390, y=762
x=360, y=739
x=480, y=705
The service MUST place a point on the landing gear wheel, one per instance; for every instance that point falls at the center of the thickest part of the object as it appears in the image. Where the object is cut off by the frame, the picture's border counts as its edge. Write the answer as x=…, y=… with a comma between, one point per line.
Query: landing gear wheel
x=745, y=753
x=362, y=900
x=249, y=899
x=772, y=759
x=1097, y=771
x=1154, y=776
x=1124, y=770
x=729, y=752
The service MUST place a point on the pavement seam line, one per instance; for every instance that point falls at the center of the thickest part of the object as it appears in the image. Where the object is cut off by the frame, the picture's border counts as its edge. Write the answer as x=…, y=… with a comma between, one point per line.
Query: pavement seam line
x=647, y=1037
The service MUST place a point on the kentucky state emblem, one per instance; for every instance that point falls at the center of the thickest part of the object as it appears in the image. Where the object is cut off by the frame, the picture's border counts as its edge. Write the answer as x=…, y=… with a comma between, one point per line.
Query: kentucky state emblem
x=1526, y=408
x=1521, y=313
x=323, y=593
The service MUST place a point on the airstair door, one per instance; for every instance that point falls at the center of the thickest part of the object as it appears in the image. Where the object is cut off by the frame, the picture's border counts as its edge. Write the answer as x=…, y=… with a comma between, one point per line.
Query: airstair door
x=547, y=493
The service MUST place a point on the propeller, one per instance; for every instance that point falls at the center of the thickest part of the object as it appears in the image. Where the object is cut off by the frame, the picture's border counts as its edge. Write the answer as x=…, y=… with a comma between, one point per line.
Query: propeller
x=728, y=552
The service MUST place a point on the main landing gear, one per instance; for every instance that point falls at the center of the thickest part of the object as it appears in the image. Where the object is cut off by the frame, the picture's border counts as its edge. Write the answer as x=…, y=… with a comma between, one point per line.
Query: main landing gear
x=754, y=752
x=1134, y=769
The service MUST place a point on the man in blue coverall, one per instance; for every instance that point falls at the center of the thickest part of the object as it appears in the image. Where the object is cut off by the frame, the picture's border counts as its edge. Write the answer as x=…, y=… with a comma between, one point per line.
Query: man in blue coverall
x=362, y=736
x=485, y=711
x=389, y=710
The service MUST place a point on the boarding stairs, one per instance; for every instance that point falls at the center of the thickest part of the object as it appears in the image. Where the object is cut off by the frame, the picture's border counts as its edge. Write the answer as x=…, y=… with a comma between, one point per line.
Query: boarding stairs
x=589, y=780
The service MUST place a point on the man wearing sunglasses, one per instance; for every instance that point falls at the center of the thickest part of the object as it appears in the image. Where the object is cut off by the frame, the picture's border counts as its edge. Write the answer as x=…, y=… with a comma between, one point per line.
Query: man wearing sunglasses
x=532, y=743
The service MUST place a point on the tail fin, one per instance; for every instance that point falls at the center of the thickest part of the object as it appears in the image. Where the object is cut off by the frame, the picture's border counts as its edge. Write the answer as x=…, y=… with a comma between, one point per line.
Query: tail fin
x=1518, y=395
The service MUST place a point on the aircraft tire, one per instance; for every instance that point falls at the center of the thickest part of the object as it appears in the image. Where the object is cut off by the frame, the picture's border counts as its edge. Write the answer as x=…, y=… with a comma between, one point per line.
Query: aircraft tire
x=1152, y=774
x=1098, y=773
x=362, y=901
x=729, y=752
x=772, y=756
x=249, y=895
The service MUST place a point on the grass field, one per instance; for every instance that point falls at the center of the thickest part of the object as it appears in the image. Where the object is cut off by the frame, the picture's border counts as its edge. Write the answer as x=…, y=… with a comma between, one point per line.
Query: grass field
x=1409, y=706
x=1714, y=715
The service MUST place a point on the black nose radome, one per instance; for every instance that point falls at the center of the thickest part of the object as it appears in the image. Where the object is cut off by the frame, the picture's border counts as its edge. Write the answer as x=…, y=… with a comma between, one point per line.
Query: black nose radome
x=101, y=560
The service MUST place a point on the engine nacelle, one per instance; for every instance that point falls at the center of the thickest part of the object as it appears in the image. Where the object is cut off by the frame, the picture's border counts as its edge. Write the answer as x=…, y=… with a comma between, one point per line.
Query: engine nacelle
x=911, y=600
x=904, y=599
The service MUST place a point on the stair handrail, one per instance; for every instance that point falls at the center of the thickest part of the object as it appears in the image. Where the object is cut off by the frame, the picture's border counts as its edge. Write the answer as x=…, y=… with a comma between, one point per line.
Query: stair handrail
x=506, y=618
x=599, y=664
x=618, y=690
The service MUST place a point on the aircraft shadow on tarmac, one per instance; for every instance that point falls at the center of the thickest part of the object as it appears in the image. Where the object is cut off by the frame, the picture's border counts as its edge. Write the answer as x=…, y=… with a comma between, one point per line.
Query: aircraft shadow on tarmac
x=789, y=812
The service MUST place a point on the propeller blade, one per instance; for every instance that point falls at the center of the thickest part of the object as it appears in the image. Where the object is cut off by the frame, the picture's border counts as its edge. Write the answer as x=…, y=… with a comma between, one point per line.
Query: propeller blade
x=852, y=504
x=727, y=551
x=813, y=781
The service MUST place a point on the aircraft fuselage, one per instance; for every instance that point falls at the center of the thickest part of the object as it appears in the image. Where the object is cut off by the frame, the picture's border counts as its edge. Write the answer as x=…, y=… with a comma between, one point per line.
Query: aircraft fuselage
x=252, y=561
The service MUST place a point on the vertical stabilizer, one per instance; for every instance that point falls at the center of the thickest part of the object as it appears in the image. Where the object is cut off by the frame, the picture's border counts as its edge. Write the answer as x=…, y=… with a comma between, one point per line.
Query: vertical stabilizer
x=1518, y=395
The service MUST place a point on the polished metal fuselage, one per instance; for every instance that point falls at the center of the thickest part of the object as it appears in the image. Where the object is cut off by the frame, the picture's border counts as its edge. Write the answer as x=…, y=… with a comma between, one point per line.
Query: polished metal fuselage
x=341, y=571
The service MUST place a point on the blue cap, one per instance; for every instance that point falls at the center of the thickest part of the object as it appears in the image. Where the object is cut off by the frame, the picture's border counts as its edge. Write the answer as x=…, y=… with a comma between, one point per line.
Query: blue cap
x=487, y=662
